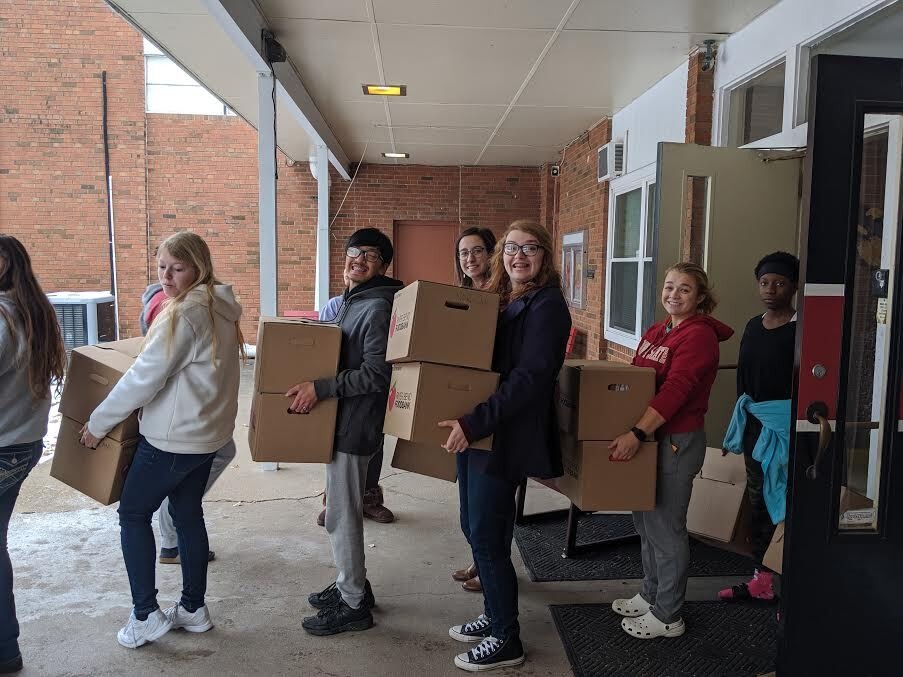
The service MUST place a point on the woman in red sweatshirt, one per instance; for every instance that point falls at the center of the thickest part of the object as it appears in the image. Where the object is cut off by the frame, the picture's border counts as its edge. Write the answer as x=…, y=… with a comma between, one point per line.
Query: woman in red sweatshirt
x=683, y=350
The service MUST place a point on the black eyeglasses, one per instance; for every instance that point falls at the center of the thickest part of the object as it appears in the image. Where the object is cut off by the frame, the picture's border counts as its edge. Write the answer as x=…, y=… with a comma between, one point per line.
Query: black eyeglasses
x=369, y=254
x=511, y=249
x=476, y=251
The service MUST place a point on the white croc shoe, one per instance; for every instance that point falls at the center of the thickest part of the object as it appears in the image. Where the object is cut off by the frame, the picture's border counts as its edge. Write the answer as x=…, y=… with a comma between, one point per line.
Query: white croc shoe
x=631, y=608
x=648, y=626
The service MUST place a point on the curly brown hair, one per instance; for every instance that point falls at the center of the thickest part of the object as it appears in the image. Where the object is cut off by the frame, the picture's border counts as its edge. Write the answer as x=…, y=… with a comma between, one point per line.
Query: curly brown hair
x=548, y=275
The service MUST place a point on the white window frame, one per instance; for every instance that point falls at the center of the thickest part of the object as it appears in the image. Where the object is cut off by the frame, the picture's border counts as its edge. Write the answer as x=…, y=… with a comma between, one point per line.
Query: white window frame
x=574, y=244
x=152, y=53
x=645, y=181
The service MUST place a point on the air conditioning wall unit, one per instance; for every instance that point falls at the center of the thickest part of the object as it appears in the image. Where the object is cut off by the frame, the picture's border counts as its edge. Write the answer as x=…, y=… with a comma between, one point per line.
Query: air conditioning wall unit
x=85, y=317
x=611, y=161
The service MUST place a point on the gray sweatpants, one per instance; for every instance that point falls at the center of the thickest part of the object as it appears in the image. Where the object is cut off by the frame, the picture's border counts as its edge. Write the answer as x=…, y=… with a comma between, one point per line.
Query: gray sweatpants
x=663, y=531
x=346, y=478
x=221, y=461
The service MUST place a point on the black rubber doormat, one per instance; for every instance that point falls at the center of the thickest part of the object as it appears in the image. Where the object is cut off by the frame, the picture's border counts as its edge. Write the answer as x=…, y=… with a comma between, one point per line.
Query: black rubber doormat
x=736, y=640
x=541, y=543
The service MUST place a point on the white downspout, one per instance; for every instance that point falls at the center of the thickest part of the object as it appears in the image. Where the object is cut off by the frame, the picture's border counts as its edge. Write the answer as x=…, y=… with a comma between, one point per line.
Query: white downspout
x=321, y=286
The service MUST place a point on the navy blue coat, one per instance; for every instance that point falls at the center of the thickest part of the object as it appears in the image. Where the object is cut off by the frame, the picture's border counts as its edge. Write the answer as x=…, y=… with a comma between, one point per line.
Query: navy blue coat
x=530, y=344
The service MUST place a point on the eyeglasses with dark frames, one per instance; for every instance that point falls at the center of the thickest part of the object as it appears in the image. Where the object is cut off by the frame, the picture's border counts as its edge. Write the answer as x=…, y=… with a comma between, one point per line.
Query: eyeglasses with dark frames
x=476, y=251
x=511, y=249
x=369, y=254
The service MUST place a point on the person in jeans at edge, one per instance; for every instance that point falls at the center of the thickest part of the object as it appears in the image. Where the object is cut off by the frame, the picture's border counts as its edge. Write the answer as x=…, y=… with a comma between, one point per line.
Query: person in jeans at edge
x=373, y=493
x=152, y=301
x=531, y=339
x=765, y=373
x=683, y=350
x=32, y=357
x=473, y=253
x=362, y=389
x=185, y=380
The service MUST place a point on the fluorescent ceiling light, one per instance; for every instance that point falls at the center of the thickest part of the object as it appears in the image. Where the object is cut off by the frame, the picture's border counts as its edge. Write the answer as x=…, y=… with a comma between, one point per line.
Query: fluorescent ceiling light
x=386, y=90
x=396, y=155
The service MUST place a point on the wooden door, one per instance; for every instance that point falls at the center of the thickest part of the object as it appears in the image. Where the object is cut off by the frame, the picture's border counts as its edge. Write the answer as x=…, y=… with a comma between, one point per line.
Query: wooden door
x=425, y=250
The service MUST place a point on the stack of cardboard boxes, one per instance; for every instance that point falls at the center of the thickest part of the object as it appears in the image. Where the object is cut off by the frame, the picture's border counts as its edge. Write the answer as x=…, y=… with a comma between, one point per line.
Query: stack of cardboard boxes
x=597, y=401
x=441, y=340
x=719, y=511
x=93, y=372
x=290, y=352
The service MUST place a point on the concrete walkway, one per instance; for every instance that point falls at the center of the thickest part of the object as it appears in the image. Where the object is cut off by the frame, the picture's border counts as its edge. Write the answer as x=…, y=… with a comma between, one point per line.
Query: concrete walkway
x=72, y=592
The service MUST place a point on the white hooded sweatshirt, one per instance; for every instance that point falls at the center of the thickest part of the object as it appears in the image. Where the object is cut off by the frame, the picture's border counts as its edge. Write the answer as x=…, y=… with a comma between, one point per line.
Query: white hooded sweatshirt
x=188, y=401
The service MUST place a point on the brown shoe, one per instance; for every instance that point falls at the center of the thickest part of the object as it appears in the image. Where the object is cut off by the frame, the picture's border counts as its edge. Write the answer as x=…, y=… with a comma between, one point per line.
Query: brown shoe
x=473, y=585
x=321, y=518
x=462, y=575
x=374, y=508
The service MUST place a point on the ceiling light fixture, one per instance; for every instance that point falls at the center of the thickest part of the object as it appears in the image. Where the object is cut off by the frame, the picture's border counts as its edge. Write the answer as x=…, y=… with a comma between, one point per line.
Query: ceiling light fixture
x=396, y=155
x=385, y=90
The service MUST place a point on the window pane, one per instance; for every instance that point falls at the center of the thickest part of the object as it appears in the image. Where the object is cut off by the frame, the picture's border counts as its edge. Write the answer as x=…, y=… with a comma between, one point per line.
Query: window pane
x=179, y=99
x=622, y=297
x=757, y=108
x=650, y=219
x=627, y=224
x=162, y=71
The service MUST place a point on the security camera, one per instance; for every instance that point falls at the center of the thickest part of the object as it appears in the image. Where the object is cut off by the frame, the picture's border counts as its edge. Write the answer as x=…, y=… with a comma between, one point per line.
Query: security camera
x=708, y=58
x=554, y=170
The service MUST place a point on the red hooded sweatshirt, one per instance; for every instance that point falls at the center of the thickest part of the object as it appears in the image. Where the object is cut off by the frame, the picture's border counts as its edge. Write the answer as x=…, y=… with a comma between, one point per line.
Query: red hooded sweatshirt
x=685, y=362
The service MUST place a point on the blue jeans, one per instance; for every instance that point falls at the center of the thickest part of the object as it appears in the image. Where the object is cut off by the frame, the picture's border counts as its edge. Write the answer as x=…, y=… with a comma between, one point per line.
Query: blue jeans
x=16, y=462
x=487, y=520
x=154, y=475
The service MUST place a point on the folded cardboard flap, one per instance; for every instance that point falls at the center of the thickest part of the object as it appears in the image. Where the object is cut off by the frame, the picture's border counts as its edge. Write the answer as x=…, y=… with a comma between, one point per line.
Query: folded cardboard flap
x=718, y=467
x=719, y=498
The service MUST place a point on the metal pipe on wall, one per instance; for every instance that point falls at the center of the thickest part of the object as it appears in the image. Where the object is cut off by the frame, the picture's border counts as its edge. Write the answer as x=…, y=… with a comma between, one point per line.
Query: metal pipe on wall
x=111, y=229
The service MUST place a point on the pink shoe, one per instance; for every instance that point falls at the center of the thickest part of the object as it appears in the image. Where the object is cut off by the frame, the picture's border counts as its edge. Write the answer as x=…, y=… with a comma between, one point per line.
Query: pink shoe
x=760, y=587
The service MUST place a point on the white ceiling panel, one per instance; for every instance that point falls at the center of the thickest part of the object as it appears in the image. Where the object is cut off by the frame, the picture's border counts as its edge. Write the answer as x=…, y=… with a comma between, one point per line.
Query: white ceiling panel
x=681, y=16
x=542, y=126
x=334, y=58
x=520, y=155
x=340, y=10
x=406, y=135
x=358, y=120
x=163, y=6
x=495, y=13
x=605, y=70
x=459, y=65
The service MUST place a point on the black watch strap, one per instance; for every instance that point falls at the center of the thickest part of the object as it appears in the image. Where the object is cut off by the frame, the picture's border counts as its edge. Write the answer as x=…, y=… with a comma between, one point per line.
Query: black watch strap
x=639, y=434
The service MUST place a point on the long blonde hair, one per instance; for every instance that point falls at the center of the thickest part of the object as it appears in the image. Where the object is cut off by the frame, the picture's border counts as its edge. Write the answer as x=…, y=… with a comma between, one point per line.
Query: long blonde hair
x=548, y=275
x=192, y=250
x=41, y=345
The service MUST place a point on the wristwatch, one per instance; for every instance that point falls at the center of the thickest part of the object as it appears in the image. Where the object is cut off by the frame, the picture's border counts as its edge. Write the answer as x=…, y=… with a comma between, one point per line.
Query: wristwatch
x=639, y=434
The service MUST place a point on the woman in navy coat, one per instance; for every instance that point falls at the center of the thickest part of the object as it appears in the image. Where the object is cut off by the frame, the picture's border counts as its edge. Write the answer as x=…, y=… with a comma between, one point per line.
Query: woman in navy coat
x=531, y=339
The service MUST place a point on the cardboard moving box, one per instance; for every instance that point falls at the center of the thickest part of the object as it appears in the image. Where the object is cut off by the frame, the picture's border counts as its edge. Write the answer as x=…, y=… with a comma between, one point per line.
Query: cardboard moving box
x=774, y=556
x=274, y=434
x=422, y=394
x=431, y=460
x=292, y=351
x=595, y=482
x=98, y=473
x=93, y=372
x=719, y=508
x=444, y=324
x=599, y=400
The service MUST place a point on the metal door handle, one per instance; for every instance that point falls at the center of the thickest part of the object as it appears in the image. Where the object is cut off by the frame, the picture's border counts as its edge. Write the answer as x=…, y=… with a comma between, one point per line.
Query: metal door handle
x=817, y=413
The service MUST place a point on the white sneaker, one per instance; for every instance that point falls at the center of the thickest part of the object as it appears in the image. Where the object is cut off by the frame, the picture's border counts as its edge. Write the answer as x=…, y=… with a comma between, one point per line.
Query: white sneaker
x=631, y=608
x=136, y=633
x=199, y=621
x=648, y=626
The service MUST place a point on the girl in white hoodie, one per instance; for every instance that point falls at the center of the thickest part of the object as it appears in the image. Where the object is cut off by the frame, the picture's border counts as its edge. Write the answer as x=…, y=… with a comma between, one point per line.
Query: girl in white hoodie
x=185, y=382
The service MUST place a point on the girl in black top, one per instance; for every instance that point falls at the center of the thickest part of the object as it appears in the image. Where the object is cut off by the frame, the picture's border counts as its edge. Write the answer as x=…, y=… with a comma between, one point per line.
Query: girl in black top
x=765, y=372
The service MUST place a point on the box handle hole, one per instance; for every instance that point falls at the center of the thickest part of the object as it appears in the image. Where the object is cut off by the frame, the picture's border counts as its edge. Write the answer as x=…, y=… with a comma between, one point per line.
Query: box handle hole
x=454, y=305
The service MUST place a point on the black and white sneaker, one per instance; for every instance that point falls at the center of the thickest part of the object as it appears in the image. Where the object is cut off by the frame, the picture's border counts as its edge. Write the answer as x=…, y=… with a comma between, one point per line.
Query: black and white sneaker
x=330, y=596
x=492, y=653
x=476, y=630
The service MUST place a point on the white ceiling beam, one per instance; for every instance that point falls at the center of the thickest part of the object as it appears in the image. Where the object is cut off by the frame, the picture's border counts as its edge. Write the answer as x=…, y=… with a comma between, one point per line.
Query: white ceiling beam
x=243, y=22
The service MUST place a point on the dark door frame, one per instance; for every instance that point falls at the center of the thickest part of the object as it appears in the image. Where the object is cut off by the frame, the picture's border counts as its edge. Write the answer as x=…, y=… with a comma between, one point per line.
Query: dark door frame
x=841, y=602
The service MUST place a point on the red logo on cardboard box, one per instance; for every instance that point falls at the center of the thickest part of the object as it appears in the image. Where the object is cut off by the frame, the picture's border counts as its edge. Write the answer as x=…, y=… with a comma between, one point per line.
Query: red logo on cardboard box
x=392, y=325
x=392, y=394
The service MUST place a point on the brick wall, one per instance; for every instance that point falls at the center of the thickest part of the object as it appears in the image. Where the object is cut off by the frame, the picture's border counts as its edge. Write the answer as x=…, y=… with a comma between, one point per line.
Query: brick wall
x=52, y=177
x=491, y=197
x=583, y=205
